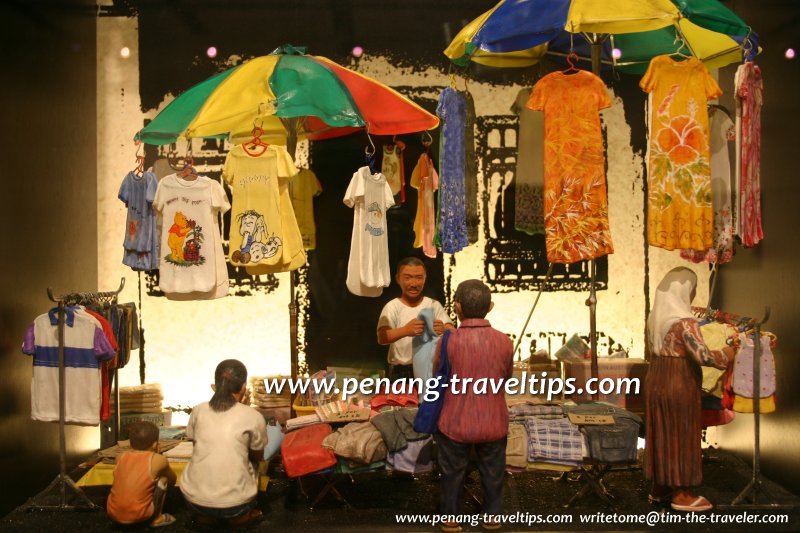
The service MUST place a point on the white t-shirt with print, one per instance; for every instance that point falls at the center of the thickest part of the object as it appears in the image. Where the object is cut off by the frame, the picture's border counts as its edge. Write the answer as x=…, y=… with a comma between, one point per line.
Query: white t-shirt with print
x=368, y=268
x=220, y=474
x=395, y=314
x=189, y=251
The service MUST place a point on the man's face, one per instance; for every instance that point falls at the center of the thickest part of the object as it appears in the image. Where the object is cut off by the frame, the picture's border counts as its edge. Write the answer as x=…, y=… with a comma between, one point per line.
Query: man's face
x=411, y=280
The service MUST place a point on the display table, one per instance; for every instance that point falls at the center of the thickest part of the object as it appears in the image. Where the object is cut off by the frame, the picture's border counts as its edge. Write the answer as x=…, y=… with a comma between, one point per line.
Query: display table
x=103, y=474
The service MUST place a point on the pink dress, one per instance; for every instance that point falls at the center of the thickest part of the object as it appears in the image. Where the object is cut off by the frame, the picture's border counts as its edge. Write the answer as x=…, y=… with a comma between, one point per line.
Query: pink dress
x=749, y=94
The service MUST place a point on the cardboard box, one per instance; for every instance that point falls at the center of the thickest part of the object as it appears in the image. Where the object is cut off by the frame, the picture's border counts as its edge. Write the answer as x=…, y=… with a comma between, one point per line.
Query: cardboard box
x=615, y=368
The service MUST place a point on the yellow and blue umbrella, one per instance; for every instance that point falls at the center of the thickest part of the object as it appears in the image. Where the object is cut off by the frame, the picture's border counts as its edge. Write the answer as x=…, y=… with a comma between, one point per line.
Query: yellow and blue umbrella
x=518, y=33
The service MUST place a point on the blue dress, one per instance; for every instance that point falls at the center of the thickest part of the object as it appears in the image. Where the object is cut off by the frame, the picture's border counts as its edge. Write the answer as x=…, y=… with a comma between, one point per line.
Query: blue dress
x=451, y=234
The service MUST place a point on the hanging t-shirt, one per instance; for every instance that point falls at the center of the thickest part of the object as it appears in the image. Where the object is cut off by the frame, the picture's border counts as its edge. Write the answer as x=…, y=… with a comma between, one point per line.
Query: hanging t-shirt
x=452, y=217
x=575, y=198
x=221, y=285
x=303, y=188
x=392, y=168
x=141, y=240
x=264, y=231
x=529, y=176
x=749, y=98
x=368, y=268
x=425, y=179
x=188, y=252
x=722, y=131
x=85, y=347
x=680, y=214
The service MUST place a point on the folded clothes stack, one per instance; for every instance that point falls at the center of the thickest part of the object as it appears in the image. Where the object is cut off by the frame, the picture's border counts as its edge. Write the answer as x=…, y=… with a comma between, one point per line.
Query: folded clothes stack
x=270, y=400
x=140, y=399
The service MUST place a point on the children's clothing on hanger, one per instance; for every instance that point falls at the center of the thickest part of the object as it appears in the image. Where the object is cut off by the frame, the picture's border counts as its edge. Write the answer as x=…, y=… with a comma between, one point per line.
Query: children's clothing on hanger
x=392, y=168
x=368, y=267
x=425, y=179
x=141, y=239
x=303, y=188
x=188, y=250
x=264, y=233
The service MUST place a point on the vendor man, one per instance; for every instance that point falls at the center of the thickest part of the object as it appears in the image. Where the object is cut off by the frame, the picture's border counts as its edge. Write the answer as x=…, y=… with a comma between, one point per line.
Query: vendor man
x=399, y=322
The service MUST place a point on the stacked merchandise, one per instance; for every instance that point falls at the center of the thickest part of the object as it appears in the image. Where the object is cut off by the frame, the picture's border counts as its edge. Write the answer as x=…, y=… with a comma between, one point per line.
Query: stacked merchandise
x=140, y=399
x=270, y=400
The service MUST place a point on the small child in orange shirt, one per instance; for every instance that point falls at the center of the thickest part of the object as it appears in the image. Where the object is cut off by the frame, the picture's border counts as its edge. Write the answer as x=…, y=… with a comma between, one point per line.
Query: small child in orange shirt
x=141, y=479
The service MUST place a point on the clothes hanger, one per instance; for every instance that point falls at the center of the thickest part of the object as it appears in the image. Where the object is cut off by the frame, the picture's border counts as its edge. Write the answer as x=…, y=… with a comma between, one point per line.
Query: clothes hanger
x=748, y=48
x=680, y=39
x=139, y=170
x=174, y=160
x=255, y=146
x=370, y=155
x=188, y=172
x=572, y=57
x=427, y=141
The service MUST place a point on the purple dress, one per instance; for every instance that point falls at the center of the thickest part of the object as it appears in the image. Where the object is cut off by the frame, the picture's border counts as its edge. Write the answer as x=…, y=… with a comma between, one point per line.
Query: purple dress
x=451, y=234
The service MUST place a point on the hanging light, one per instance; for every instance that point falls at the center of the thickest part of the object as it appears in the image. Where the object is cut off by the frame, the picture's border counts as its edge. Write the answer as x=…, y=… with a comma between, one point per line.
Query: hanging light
x=211, y=52
x=357, y=51
x=616, y=53
x=789, y=53
x=125, y=52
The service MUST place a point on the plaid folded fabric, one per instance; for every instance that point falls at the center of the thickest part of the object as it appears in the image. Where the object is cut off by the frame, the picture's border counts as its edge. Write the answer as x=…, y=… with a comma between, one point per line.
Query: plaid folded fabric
x=554, y=441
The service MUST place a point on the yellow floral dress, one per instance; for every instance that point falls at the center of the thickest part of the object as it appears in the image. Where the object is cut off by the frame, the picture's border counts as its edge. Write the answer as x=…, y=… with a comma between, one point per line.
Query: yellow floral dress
x=679, y=210
x=575, y=196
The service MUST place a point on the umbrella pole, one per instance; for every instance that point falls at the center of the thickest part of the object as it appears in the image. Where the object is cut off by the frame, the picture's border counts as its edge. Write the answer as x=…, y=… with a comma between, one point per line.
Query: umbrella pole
x=597, y=43
x=291, y=146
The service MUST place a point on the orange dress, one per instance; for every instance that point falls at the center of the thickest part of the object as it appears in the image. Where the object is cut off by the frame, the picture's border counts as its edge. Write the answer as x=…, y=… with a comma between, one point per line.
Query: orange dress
x=575, y=197
x=679, y=210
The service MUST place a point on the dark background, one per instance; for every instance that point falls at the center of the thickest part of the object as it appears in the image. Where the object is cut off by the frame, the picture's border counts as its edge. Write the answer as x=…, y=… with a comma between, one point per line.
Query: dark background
x=49, y=228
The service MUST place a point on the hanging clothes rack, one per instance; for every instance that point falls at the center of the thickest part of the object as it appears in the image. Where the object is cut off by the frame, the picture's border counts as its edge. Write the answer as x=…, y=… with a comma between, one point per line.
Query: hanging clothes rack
x=755, y=486
x=62, y=481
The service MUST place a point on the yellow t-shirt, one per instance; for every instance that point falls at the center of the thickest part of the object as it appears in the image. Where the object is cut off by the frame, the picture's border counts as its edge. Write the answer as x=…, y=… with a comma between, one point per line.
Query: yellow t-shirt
x=303, y=188
x=679, y=210
x=264, y=233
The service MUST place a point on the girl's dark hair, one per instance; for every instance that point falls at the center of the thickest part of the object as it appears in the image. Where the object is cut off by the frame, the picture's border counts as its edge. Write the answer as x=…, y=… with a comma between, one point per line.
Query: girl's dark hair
x=229, y=377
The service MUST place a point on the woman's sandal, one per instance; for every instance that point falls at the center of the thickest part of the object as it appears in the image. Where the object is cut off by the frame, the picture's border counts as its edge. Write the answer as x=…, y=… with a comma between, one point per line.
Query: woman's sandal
x=699, y=504
x=450, y=527
x=166, y=520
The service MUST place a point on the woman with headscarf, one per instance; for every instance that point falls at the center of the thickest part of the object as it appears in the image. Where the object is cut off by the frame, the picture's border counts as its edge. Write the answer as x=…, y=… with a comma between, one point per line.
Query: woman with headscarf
x=672, y=393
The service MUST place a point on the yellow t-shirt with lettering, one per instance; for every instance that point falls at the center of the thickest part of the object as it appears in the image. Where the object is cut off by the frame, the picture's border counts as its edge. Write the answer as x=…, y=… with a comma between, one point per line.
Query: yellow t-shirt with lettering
x=264, y=236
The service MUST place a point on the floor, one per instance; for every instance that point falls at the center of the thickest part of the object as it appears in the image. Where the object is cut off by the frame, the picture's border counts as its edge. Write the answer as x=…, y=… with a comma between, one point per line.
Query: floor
x=375, y=499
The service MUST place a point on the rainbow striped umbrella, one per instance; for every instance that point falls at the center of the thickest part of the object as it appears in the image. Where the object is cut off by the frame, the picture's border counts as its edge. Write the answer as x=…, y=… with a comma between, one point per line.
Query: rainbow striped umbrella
x=286, y=93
